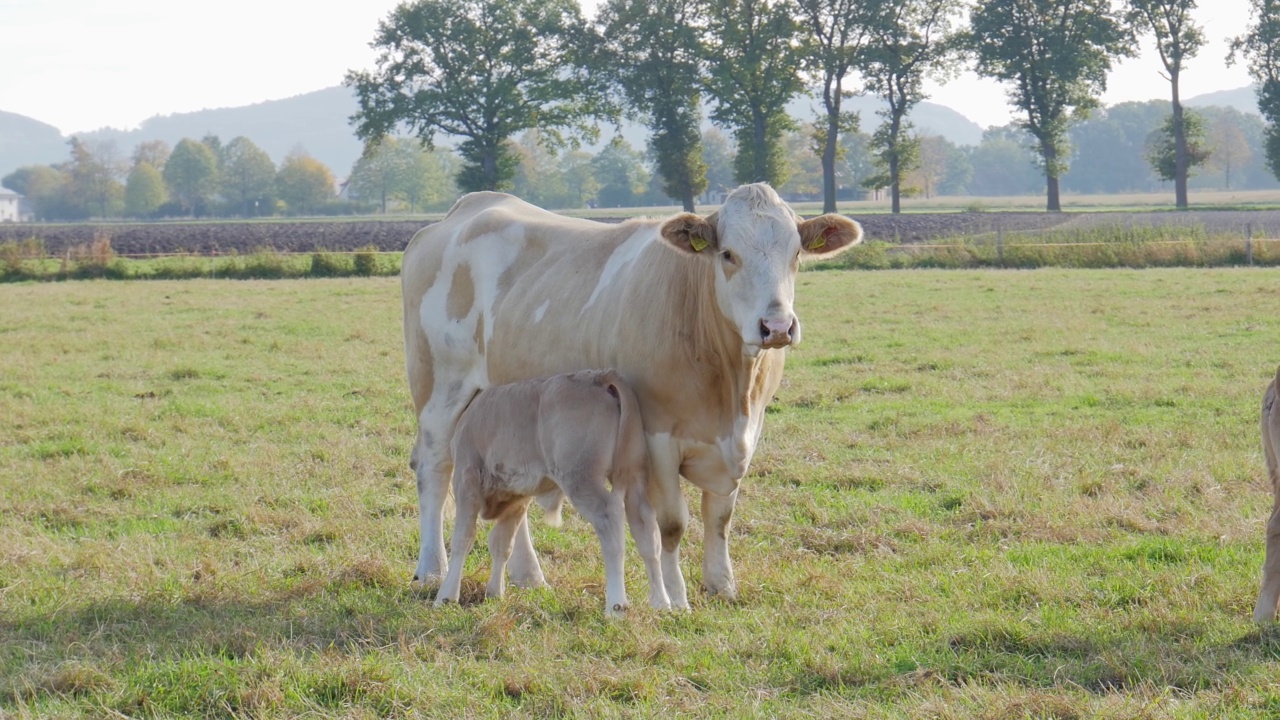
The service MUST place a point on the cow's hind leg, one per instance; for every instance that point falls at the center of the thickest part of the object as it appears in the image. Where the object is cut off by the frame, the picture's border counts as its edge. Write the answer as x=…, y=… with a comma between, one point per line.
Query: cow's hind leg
x=717, y=570
x=1265, y=609
x=432, y=467
x=605, y=511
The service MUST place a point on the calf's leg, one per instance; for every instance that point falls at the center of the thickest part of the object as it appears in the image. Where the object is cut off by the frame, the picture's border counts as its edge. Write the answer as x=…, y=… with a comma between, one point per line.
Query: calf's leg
x=604, y=510
x=672, y=514
x=1265, y=609
x=644, y=530
x=464, y=534
x=525, y=570
x=500, y=538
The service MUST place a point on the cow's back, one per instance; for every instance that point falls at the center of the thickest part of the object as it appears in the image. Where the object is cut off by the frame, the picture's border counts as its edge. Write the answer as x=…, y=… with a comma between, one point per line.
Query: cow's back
x=453, y=274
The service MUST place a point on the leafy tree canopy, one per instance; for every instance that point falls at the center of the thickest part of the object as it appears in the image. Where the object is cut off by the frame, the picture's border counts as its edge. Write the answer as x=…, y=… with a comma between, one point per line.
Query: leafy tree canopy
x=483, y=70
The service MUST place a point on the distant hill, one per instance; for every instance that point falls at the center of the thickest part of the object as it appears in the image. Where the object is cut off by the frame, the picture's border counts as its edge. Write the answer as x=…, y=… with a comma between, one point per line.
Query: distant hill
x=24, y=141
x=1244, y=99
x=317, y=121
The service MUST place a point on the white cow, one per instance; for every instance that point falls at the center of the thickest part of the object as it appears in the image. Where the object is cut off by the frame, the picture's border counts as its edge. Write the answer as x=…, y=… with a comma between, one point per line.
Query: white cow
x=695, y=312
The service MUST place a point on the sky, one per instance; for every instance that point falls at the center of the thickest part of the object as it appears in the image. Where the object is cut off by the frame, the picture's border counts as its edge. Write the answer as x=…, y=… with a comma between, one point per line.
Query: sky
x=81, y=65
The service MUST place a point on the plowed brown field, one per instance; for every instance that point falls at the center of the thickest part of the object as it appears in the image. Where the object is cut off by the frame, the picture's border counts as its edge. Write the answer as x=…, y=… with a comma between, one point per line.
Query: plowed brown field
x=216, y=238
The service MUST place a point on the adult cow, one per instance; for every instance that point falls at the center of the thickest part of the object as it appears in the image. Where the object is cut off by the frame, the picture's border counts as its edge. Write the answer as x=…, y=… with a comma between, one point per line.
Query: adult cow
x=696, y=313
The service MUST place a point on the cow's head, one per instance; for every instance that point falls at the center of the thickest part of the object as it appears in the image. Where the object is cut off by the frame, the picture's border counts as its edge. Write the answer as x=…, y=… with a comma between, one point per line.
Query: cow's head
x=756, y=243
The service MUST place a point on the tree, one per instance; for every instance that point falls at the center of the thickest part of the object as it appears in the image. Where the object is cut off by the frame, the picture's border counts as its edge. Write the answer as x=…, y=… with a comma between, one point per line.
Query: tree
x=838, y=29
x=717, y=154
x=143, y=191
x=1260, y=47
x=806, y=174
x=1055, y=54
x=753, y=57
x=95, y=170
x=908, y=40
x=46, y=188
x=937, y=156
x=579, y=177
x=152, y=152
x=248, y=175
x=1003, y=164
x=192, y=175
x=430, y=184
x=1228, y=144
x=385, y=171
x=1163, y=151
x=653, y=60
x=620, y=171
x=538, y=178
x=1109, y=149
x=303, y=182
x=483, y=70
x=1177, y=38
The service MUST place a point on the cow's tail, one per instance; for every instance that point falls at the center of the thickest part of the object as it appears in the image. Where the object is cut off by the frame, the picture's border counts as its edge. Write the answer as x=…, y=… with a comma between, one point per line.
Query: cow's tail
x=630, y=455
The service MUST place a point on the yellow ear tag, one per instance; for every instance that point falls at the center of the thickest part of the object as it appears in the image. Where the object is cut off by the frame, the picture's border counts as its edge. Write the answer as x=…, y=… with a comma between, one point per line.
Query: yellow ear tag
x=817, y=243
x=698, y=242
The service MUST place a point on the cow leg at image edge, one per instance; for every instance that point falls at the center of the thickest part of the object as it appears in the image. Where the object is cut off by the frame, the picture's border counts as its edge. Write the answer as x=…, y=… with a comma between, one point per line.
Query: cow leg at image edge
x=717, y=570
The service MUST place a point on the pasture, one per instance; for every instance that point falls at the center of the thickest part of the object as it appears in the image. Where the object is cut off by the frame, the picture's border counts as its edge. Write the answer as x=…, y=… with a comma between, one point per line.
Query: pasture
x=980, y=494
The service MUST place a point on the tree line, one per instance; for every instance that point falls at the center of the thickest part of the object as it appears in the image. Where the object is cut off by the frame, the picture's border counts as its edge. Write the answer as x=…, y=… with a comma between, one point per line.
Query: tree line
x=488, y=71
x=1119, y=149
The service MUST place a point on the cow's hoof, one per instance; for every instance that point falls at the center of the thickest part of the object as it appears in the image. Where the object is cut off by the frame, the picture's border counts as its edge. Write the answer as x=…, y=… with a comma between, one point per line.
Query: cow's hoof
x=617, y=611
x=728, y=593
x=532, y=582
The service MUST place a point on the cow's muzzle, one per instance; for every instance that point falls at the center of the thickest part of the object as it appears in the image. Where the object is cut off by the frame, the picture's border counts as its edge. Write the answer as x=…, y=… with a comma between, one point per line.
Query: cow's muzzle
x=778, y=332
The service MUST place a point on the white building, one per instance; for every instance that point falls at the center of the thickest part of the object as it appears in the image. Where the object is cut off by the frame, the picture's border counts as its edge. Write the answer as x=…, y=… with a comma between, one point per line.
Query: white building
x=13, y=207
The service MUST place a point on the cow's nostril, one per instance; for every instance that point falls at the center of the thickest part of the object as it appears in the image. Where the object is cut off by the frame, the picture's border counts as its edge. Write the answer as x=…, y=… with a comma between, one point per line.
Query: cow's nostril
x=764, y=330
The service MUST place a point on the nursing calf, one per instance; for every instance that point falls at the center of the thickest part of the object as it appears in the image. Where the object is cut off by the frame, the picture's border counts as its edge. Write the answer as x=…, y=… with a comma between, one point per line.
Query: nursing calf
x=1265, y=610
x=539, y=437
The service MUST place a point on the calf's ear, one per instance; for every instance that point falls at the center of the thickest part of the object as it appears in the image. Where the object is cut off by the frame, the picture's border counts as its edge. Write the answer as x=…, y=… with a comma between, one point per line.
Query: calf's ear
x=691, y=233
x=828, y=234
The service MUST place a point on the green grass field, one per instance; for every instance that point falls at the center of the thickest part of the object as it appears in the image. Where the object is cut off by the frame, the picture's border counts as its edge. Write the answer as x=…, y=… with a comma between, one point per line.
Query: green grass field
x=980, y=494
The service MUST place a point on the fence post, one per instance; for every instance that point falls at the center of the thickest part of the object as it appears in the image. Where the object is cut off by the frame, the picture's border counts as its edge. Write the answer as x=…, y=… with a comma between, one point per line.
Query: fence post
x=1248, y=242
x=999, y=242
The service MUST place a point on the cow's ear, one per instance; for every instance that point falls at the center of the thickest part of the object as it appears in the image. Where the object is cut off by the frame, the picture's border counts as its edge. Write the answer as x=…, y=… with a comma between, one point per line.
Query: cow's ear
x=829, y=234
x=691, y=233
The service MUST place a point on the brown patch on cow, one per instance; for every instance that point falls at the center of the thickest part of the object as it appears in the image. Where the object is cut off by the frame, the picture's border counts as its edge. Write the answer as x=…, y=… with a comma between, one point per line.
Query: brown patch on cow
x=533, y=250
x=421, y=369
x=503, y=504
x=462, y=293
x=480, y=334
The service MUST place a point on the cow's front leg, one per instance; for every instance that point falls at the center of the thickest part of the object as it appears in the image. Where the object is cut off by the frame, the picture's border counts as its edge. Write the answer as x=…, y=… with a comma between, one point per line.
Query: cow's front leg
x=524, y=570
x=717, y=570
x=672, y=515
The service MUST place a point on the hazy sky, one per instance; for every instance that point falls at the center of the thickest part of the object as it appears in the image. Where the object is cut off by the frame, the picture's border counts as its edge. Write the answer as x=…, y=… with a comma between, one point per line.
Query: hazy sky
x=84, y=64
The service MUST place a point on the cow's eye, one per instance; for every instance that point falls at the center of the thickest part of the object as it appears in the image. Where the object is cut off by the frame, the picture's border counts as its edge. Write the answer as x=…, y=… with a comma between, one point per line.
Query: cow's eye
x=726, y=256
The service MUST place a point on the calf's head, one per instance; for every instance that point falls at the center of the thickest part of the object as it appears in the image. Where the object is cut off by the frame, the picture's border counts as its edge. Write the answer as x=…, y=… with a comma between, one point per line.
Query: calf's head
x=755, y=243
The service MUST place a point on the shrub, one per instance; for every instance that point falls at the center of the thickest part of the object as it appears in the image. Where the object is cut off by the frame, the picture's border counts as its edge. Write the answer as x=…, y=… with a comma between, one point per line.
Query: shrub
x=366, y=261
x=19, y=257
x=325, y=264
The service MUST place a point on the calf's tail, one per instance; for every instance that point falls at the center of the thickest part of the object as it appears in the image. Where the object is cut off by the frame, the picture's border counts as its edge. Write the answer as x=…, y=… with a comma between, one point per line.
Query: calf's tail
x=630, y=455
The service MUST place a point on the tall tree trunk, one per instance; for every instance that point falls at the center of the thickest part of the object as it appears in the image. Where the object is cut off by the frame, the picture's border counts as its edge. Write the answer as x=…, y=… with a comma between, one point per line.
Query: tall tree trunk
x=686, y=198
x=759, y=131
x=1051, y=177
x=832, y=102
x=1179, y=147
x=895, y=181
